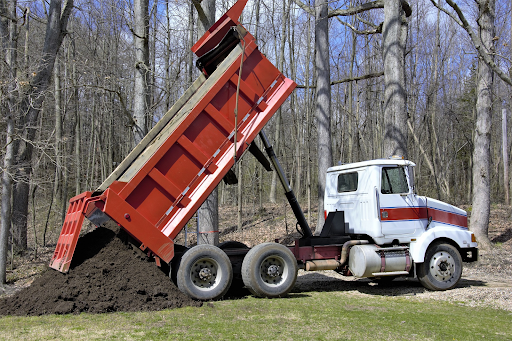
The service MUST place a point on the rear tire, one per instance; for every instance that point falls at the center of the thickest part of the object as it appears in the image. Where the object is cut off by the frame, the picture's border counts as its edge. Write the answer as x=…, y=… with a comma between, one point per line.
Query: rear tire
x=269, y=270
x=442, y=267
x=205, y=273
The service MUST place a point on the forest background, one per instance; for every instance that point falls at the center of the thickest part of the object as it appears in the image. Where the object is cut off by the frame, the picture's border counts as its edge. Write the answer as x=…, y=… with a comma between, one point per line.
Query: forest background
x=65, y=132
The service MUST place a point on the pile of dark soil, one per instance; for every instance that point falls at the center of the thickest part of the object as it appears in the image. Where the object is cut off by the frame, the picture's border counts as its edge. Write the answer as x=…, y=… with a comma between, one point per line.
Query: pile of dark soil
x=107, y=274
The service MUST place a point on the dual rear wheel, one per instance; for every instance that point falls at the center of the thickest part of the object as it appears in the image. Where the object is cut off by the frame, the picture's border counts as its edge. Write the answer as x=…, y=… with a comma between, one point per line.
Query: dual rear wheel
x=205, y=271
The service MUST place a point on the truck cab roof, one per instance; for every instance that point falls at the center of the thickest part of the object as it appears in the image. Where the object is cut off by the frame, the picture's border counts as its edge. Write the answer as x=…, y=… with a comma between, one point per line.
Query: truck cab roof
x=377, y=162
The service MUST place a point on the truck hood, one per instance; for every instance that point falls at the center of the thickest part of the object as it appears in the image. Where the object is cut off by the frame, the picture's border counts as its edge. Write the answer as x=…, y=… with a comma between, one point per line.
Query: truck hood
x=445, y=213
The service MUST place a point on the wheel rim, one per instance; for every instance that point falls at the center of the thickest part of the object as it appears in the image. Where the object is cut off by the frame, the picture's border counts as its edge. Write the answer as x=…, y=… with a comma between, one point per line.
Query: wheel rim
x=272, y=270
x=442, y=266
x=205, y=274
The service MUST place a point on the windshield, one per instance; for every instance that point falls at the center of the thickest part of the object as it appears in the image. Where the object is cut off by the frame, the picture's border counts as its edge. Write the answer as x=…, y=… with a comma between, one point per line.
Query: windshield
x=394, y=181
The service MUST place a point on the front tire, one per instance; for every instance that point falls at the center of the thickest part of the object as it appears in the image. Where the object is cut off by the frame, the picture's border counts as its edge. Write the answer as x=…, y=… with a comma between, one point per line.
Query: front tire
x=205, y=273
x=442, y=268
x=269, y=270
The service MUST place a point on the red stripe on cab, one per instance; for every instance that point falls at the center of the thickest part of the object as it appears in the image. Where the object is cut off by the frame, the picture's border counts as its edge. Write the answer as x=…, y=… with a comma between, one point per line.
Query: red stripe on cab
x=416, y=213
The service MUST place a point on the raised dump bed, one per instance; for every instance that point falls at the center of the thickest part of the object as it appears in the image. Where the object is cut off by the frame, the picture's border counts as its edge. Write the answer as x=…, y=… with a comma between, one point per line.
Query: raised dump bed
x=160, y=185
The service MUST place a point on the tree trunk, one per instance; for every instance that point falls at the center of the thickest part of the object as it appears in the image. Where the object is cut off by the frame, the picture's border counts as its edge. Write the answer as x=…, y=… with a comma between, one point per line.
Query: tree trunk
x=208, y=213
x=510, y=108
x=504, y=149
x=351, y=126
x=206, y=14
x=152, y=75
x=257, y=19
x=394, y=34
x=323, y=103
x=58, y=183
x=481, y=153
x=141, y=96
x=308, y=121
x=6, y=199
x=20, y=209
x=78, y=141
x=31, y=106
x=279, y=118
x=191, y=65
x=9, y=44
x=432, y=107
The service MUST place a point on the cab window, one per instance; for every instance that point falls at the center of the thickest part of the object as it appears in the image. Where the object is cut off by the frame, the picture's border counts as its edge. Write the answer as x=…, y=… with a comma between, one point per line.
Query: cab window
x=347, y=182
x=394, y=180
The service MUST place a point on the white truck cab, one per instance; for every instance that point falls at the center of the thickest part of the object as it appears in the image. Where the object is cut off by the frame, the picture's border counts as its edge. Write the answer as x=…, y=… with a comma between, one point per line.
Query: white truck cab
x=381, y=206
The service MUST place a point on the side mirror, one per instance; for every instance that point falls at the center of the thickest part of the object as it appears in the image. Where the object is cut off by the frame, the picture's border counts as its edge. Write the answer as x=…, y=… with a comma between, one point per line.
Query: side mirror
x=410, y=173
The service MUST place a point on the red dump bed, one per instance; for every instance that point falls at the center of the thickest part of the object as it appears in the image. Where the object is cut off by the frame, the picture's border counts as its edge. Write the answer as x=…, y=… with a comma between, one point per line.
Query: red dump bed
x=164, y=180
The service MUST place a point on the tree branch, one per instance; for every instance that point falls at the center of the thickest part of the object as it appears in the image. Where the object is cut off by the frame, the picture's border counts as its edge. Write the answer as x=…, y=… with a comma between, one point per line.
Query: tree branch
x=200, y=13
x=346, y=80
x=357, y=9
x=377, y=29
x=477, y=42
x=447, y=13
x=364, y=21
x=126, y=112
x=305, y=7
x=66, y=12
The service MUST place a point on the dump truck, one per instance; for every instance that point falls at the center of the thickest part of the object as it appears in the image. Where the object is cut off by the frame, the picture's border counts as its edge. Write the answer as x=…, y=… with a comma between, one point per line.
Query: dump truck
x=376, y=226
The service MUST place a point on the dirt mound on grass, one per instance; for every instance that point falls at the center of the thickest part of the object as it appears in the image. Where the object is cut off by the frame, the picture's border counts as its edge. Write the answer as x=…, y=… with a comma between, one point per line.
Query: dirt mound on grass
x=107, y=274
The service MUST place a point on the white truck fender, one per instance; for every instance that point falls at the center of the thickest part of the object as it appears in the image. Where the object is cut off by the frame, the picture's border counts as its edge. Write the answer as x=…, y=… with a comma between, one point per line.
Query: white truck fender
x=461, y=237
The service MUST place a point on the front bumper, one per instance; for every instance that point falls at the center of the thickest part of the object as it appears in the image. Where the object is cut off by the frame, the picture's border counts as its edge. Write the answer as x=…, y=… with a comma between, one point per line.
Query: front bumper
x=469, y=254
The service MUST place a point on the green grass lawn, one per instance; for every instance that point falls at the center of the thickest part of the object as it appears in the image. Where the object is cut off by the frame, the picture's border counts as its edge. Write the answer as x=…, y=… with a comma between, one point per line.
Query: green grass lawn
x=301, y=316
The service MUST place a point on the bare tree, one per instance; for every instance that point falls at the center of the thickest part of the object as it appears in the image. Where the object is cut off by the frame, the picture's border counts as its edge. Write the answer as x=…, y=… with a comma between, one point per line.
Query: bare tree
x=9, y=44
x=30, y=106
x=208, y=213
x=477, y=39
x=483, y=43
x=323, y=102
x=504, y=149
x=394, y=33
x=142, y=96
x=278, y=117
x=58, y=14
x=481, y=153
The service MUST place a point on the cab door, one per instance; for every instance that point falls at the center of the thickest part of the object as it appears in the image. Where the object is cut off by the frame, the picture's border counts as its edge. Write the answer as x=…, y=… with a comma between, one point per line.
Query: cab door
x=402, y=213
